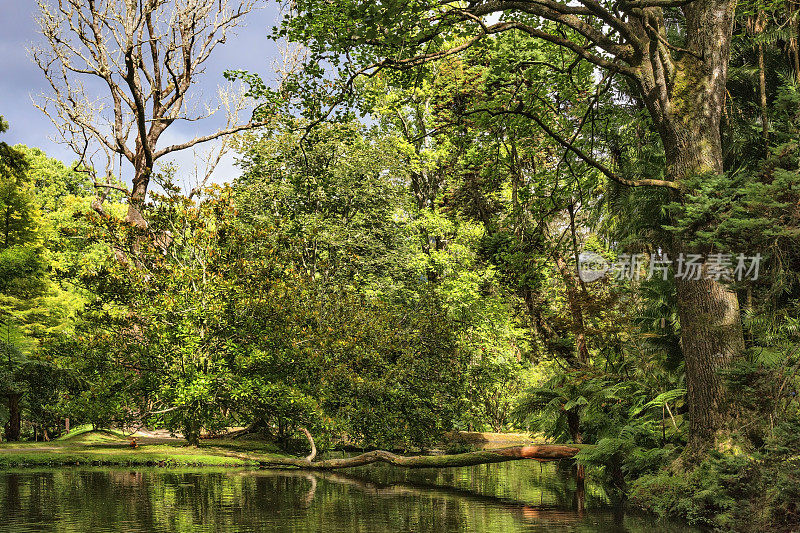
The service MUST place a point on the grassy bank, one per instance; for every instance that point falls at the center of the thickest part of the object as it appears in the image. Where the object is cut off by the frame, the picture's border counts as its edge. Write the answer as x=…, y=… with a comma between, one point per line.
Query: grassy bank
x=111, y=448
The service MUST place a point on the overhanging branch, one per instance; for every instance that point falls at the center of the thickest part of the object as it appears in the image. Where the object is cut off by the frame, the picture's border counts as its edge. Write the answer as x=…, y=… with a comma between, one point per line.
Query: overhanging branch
x=588, y=159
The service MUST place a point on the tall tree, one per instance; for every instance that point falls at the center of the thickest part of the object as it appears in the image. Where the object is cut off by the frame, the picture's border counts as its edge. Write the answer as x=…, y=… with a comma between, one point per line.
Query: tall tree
x=673, y=53
x=146, y=56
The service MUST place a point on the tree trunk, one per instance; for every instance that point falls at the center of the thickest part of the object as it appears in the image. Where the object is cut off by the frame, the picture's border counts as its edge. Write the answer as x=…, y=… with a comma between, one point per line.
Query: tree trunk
x=757, y=26
x=711, y=338
x=191, y=432
x=574, y=424
x=141, y=180
x=689, y=125
x=576, y=310
x=762, y=90
x=14, y=423
x=711, y=329
x=794, y=49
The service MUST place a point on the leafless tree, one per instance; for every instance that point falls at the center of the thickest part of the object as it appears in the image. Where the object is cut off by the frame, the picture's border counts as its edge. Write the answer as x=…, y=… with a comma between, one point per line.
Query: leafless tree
x=143, y=57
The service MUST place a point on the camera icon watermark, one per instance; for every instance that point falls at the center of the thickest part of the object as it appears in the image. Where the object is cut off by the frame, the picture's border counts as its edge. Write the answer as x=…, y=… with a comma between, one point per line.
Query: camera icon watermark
x=592, y=266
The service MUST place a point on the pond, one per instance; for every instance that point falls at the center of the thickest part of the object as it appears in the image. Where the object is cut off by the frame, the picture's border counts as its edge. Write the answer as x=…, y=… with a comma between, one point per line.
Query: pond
x=516, y=496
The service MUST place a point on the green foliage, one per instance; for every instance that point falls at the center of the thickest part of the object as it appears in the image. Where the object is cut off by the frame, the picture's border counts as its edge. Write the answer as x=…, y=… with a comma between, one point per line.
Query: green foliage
x=380, y=281
x=494, y=386
x=327, y=197
x=21, y=272
x=607, y=405
x=723, y=492
x=18, y=212
x=223, y=329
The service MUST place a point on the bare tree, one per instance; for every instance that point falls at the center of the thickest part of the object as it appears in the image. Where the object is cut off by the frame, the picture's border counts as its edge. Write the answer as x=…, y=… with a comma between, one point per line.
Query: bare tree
x=144, y=56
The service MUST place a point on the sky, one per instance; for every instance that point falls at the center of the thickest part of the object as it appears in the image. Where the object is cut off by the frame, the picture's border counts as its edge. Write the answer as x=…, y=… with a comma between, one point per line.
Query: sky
x=21, y=80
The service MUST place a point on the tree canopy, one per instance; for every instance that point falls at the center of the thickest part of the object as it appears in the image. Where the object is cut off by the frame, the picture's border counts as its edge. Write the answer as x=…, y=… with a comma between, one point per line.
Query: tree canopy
x=576, y=219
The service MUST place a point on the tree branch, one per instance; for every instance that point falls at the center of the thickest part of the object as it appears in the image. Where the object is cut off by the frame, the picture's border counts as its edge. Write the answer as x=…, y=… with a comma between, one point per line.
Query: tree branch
x=310, y=457
x=591, y=161
x=206, y=138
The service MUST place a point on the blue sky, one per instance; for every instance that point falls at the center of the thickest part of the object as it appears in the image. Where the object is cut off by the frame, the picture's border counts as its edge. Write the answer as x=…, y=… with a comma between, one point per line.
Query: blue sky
x=20, y=80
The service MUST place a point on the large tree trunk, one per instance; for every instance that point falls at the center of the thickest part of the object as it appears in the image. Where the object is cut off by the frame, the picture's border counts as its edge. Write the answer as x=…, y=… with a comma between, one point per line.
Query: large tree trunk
x=711, y=338
x=711, y=331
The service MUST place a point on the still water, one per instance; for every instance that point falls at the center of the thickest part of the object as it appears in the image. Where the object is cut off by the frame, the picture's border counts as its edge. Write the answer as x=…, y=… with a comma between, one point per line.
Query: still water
x=516, y=496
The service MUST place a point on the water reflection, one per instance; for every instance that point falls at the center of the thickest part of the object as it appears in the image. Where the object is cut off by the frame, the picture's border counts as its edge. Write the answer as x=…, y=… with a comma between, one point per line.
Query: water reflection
x=520, y=496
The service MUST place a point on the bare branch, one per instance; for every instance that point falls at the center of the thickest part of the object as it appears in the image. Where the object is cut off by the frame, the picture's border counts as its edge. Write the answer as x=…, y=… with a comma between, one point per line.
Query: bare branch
x=147, y=54
x=211, y=137
x=112, y=186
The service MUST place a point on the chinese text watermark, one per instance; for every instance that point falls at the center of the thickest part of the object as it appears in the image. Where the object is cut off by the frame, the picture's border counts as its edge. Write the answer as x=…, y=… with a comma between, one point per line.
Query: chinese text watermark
x=715, y=266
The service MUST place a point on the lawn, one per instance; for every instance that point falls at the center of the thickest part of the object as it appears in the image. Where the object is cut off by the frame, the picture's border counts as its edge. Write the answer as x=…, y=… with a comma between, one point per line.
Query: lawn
x=108, y=447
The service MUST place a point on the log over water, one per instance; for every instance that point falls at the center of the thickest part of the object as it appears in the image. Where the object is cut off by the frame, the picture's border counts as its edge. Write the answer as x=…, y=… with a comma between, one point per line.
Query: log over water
x=538, y=452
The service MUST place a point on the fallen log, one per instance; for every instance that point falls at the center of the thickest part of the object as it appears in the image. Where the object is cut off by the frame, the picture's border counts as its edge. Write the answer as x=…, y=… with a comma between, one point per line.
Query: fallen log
x=537, y=452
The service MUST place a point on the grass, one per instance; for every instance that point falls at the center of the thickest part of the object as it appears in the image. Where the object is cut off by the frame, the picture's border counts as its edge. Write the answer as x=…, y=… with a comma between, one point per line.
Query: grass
x=90, y=436
x=110, y=448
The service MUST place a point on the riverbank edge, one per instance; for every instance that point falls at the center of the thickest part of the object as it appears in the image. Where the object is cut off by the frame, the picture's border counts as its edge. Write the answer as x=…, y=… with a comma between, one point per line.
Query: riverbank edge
x=21, y=457
x=184, y=457
x=105, y=447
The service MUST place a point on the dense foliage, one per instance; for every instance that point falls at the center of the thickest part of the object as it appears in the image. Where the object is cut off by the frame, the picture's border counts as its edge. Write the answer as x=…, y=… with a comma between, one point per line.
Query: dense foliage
x=408, y=265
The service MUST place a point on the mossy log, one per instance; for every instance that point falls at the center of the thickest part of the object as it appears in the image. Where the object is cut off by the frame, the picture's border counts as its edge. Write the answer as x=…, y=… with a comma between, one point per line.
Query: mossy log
x=538, y=452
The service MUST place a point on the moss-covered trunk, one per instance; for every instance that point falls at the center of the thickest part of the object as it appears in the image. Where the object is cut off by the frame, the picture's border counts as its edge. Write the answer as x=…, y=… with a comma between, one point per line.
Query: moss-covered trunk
x=689, y=124
x=711, y=331
x=539, y=452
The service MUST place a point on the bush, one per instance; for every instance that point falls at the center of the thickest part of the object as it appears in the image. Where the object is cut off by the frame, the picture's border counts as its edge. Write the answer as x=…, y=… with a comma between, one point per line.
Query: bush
x=726, y=493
